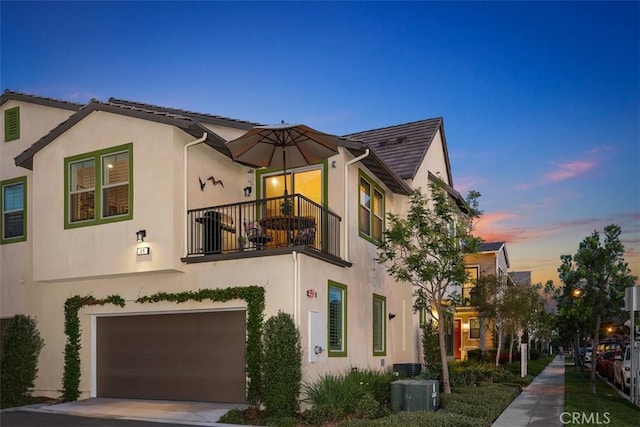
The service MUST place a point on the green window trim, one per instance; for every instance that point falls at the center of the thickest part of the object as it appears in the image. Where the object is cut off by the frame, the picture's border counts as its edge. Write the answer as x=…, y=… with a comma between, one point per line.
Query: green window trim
x=337, y=319
x=379, y=325
x=9, y=183
x=12, y=124
x=371, y=218
x=100, y=215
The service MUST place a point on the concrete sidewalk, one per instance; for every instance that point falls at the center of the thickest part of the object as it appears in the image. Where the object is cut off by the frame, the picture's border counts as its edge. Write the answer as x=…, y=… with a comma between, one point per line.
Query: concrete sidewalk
x=541, y=403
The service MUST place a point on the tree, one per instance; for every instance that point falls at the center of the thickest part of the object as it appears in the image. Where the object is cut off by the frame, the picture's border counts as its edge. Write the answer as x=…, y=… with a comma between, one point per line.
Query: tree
x=486, y=297
x=427, y=250
x=596, y=276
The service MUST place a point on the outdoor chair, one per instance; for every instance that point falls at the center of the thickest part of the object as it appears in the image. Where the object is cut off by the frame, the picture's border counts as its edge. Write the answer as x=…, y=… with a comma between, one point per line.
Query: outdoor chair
x=305, y=237
x=256, y=234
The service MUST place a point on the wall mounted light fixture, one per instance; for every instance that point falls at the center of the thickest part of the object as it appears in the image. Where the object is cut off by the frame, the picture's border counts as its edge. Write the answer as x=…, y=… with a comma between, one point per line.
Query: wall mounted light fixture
x=391, y=316
x=247, y=191
x=140, y=235
x=465, y=327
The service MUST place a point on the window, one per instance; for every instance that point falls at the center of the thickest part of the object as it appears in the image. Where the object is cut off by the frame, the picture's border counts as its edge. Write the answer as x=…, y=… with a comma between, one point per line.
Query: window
x=13, y=199
x=12, y=124
x=337, y=319
x=99, y=187
x=379, y=325
x=473, y=273
x=371, y=209
x=474, y=328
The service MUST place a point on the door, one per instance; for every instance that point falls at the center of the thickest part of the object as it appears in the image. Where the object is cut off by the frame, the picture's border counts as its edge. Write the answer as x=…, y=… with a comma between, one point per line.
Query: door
x=185, y=356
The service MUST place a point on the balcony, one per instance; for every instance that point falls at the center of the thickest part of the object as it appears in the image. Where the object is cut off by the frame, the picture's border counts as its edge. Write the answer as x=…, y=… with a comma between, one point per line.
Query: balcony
x=263, y=227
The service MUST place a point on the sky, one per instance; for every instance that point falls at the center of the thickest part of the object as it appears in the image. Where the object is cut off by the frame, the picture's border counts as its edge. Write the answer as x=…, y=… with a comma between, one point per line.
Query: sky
x=540, y=100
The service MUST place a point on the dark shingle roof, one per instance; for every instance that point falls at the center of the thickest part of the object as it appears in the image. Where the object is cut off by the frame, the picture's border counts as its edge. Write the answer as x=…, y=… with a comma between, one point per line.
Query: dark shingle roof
x=40, y=100
x=201, y=117
x=490, y=246
x=187, y=124
x=521, y=277
x=403, y=147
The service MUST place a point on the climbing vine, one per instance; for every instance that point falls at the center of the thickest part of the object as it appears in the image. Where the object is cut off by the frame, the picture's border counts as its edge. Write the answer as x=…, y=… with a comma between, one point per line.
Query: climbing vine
x=71, y=375
x=253, y=295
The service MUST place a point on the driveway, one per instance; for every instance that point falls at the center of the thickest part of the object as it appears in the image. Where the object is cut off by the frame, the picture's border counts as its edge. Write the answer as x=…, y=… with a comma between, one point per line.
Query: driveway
x=119, y=412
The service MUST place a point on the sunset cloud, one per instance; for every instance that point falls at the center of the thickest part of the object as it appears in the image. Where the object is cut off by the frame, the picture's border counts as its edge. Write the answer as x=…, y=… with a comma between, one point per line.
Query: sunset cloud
x=568, y=170
x=512, y=228
x=562, y=171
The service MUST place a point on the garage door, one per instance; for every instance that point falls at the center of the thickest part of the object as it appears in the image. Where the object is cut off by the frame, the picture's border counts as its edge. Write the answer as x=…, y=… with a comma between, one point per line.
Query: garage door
x=186, y=356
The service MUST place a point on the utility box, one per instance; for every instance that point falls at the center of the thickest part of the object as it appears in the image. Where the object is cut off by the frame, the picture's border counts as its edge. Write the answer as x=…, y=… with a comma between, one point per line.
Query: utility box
x=415, y=395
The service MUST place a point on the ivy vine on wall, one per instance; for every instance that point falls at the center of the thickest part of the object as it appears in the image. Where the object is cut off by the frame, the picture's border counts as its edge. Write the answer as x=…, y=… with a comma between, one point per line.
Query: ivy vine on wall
x=253, y=295
x=71, y=375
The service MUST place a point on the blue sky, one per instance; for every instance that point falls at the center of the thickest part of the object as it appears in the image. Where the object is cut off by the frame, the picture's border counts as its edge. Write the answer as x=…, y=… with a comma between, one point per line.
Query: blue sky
x=541, y=100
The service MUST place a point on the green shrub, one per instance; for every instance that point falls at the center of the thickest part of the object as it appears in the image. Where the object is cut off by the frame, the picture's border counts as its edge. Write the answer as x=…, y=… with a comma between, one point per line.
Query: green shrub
x=342, y=392
x=431, y=349
x=234, y=416
x=369, y=408
x=475, y=355
x=323, y=413
x=535, y=354
x=282, y=366
x=21, y=345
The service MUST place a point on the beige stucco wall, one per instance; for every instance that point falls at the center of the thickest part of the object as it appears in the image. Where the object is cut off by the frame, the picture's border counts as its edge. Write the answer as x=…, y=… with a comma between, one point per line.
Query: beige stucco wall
x=16, y=268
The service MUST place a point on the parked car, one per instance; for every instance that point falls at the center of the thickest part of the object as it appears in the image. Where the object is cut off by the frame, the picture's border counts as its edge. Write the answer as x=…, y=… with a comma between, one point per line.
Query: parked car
x=588, y=354
x=622, y=369
x=605, y=363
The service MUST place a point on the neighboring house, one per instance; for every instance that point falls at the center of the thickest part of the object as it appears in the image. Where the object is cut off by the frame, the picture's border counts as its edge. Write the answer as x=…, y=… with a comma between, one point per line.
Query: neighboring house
x=129, y=199
x=471, y=331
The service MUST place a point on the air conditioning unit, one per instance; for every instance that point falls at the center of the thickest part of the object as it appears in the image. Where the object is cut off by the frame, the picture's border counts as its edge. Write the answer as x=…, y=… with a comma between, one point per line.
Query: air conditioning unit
x=415, y=395
x=407, y=370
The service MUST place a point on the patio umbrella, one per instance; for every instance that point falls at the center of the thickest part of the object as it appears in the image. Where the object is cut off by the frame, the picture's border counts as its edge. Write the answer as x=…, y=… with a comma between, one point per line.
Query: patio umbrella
x=281, y=146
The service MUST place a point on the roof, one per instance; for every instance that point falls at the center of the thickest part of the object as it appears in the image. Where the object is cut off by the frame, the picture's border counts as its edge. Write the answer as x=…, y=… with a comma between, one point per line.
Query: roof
x=495, y=247
x=8, y=95
x=182, y=121
x=201, y=117
x=403, y=147
x=521, y=277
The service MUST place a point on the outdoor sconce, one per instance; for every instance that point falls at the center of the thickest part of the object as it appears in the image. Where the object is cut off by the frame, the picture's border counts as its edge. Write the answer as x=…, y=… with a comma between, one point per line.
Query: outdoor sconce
x=465, y=327
x=392, y=316
x=247, y=191
x=140, y=235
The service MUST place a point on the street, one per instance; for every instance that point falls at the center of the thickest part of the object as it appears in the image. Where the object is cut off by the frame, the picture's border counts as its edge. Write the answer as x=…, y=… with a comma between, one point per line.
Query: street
x=22, y=418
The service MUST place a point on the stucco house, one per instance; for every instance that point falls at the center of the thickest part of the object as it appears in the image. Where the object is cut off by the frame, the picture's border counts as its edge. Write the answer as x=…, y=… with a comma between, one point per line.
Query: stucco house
x=136, y=216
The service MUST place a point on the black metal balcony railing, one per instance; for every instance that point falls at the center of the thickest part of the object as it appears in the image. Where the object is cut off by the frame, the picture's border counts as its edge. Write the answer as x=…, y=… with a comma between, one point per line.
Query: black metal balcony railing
x=276, y=222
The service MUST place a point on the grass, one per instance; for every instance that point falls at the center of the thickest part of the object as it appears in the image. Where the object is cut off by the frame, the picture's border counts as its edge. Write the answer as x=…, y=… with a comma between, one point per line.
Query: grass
x=606, y=405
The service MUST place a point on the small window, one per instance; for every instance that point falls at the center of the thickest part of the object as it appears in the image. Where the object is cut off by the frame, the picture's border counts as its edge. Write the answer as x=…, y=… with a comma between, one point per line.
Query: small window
x=99, y=187
x=337, y=319
x=379, y=325
x=12, y=124
x=371, y=209
x=13, y=198
x=474, y=328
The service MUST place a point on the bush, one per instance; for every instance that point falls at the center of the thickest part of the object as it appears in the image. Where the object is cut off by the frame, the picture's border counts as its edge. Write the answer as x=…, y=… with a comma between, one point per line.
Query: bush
x=431, y=348
x=476, y=355
x=282, y=366
x=21, y=345
x=234, y=416
x=336, y=396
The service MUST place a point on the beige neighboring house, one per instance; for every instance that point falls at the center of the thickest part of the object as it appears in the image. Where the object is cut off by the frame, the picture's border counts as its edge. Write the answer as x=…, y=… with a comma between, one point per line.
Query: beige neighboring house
x=471, y=331
x=81, y=182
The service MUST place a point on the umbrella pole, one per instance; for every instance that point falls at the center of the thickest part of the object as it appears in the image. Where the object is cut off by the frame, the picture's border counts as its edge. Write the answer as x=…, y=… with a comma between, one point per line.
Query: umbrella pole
x=284, y=173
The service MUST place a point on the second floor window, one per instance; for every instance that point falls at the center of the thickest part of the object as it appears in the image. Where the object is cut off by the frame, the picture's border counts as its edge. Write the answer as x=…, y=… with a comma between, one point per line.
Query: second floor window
x=13, y=200
x=99, y=187
x=371, y=209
